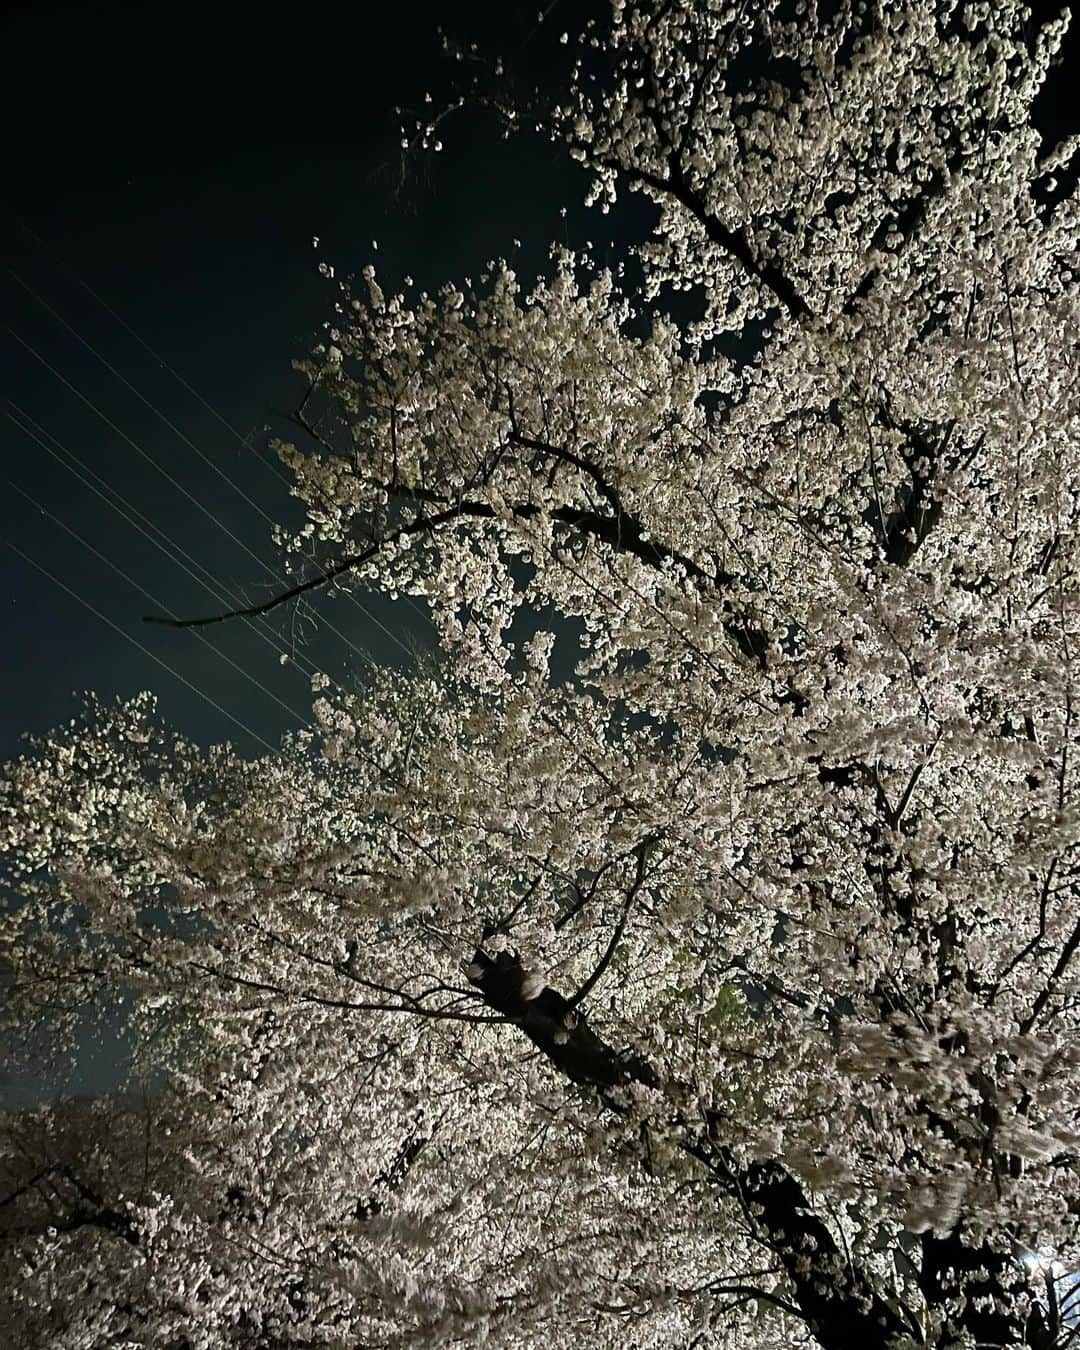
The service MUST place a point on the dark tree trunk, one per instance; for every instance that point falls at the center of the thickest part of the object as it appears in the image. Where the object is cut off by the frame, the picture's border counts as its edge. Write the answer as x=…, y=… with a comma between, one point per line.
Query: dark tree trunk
x=839, y=1304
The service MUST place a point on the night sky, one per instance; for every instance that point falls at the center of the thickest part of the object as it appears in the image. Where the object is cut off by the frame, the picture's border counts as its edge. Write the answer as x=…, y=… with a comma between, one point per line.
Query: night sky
x=169, y=171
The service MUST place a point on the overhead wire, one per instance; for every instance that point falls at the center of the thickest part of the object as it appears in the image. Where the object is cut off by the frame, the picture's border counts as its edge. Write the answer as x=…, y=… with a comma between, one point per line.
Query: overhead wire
x=300, y=661
x=133, y=516
x=154, y=600
x=145, y=650
x=173, y=551
x=56, y=251
x=53, y=249
x=181, y=435
x=163, y=417
x=191, y=497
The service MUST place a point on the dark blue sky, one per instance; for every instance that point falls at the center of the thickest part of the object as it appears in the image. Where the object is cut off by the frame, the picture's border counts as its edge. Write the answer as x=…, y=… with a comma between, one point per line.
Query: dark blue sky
x=179, y=163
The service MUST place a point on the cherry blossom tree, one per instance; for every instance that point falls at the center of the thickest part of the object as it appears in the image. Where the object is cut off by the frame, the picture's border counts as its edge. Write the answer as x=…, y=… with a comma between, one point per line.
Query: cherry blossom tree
x=689, y=956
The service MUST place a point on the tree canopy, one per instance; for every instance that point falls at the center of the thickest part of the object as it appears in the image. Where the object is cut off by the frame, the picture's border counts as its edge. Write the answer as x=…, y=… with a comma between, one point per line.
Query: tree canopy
x=689, y=955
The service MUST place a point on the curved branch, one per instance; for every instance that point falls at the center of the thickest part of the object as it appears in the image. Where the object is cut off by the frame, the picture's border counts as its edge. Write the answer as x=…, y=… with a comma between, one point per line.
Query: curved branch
x=605, y=960
x=323, y=578
x=624, y=535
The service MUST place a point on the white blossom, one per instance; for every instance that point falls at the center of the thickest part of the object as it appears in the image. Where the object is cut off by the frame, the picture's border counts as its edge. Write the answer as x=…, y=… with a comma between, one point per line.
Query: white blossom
x=753, y=726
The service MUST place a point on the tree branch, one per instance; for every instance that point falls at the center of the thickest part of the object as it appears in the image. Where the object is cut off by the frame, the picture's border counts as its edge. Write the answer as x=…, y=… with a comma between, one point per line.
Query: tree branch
x=842, y=1310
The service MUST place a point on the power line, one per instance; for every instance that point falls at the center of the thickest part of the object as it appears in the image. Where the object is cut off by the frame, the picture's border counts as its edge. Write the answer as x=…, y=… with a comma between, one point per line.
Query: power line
x=52, y=248
x=145, y=650
x=57, y=252
x=216, y=589
x=133, y=516
x=141, y=397
x=301, y=661
x=195, y=501
x=154, y=600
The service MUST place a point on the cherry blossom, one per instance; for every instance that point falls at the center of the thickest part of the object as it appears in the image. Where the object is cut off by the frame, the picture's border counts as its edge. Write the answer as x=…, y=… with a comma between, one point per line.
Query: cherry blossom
x=689, y=957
